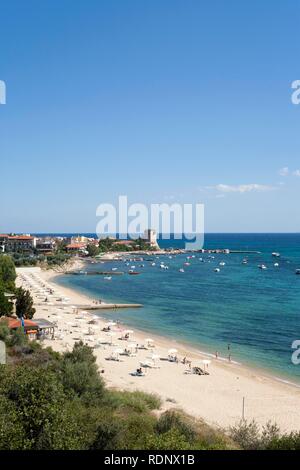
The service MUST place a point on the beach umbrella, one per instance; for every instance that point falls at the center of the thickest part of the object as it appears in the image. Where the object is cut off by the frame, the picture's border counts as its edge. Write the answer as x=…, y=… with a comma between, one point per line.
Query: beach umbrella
x=155, y=356
x=118, y=351
x=172, y=351
x=149, y=340
x=111, y=334
x=206, y=362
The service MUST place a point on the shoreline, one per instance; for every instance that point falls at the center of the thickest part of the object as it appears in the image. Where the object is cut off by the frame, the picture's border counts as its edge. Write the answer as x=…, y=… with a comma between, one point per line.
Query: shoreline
x=185, y=346
x=216, y=398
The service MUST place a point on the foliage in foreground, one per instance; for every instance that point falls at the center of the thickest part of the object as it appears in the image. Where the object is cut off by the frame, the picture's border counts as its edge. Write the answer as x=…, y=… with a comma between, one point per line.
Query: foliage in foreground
x=250, y=436
x=59, y=401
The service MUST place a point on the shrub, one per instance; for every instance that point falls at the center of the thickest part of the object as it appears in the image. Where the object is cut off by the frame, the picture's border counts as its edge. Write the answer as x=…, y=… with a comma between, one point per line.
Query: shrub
x=174, y=420
x=136, y=401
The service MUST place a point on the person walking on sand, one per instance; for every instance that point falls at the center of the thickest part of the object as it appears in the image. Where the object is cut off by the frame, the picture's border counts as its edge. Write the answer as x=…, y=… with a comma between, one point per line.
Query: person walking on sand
x=217, y=354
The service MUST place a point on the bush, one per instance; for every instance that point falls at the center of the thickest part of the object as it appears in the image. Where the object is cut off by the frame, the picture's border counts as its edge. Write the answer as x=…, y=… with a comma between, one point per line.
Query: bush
x=249, y=436
x=174, y=420
x=107, y=434
x=79, y=374
x=171, y=440
x=135, y=401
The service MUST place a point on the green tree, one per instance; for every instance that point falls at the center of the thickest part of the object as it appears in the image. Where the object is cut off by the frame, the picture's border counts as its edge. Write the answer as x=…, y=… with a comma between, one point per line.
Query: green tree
x=92, y=250
x=24, y=304
x=79, y=374
x=7, y=272
x=6, y=306
x=105, y=244
x=38, y=404
x=12, y=433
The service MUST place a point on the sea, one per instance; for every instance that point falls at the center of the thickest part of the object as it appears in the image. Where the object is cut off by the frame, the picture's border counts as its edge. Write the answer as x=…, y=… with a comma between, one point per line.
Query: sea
x=249, y=313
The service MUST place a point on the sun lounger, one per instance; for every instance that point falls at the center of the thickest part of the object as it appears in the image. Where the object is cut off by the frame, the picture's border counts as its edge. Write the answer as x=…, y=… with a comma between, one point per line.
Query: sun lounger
x=136, y=374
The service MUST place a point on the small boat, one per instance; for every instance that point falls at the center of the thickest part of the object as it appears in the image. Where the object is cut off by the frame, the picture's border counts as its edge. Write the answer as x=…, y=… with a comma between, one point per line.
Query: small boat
x=262, y=266
x=297, y=271
x=181, y=270
x=114, y=269
x=245, y=261
x=222, y=263
x=107, y=278
x=276, y=265
x=133, y=272
x=187, y=264
x=276, y=254
x=217, y=270
x=153, y=264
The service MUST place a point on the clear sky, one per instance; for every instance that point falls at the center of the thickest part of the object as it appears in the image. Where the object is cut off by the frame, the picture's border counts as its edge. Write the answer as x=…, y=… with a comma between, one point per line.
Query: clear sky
x=163, y=101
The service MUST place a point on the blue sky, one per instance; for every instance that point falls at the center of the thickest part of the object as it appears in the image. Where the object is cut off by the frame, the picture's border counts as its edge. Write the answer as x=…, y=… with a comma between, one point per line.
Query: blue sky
x=164, y=101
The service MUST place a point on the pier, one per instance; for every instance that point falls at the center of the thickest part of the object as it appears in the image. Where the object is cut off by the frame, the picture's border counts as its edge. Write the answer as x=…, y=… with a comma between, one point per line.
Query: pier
x=107, y=306
x=94, y=273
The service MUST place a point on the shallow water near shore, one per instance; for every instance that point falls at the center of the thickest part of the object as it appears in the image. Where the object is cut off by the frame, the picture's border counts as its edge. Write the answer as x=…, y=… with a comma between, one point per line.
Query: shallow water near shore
x=256, y=312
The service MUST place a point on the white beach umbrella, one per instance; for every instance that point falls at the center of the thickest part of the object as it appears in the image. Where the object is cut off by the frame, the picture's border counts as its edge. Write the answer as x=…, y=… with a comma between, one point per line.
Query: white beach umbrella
x=172, y=351
x=149, y=340
x=118, y=351
x=111, y=335
x=206, y=362
x=155, y=356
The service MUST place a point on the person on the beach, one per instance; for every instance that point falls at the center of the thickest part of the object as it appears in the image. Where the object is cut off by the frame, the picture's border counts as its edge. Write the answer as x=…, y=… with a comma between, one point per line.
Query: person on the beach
x=217, y=354
x=229, y=357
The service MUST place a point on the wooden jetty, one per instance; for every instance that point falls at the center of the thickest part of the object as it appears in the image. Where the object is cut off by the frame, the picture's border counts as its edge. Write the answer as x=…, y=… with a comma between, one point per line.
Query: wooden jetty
x=107, y=306
x=95, y=273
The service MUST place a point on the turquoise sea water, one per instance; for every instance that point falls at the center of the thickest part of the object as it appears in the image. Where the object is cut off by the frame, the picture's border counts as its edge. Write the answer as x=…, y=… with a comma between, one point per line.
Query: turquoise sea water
x=256, y=311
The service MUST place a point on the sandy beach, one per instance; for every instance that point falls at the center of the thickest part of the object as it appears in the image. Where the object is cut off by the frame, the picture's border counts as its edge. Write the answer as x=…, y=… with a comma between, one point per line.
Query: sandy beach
x=217, y=397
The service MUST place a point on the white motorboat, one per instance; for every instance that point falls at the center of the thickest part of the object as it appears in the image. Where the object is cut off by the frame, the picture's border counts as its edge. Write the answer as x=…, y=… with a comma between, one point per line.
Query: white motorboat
x=262, y=266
